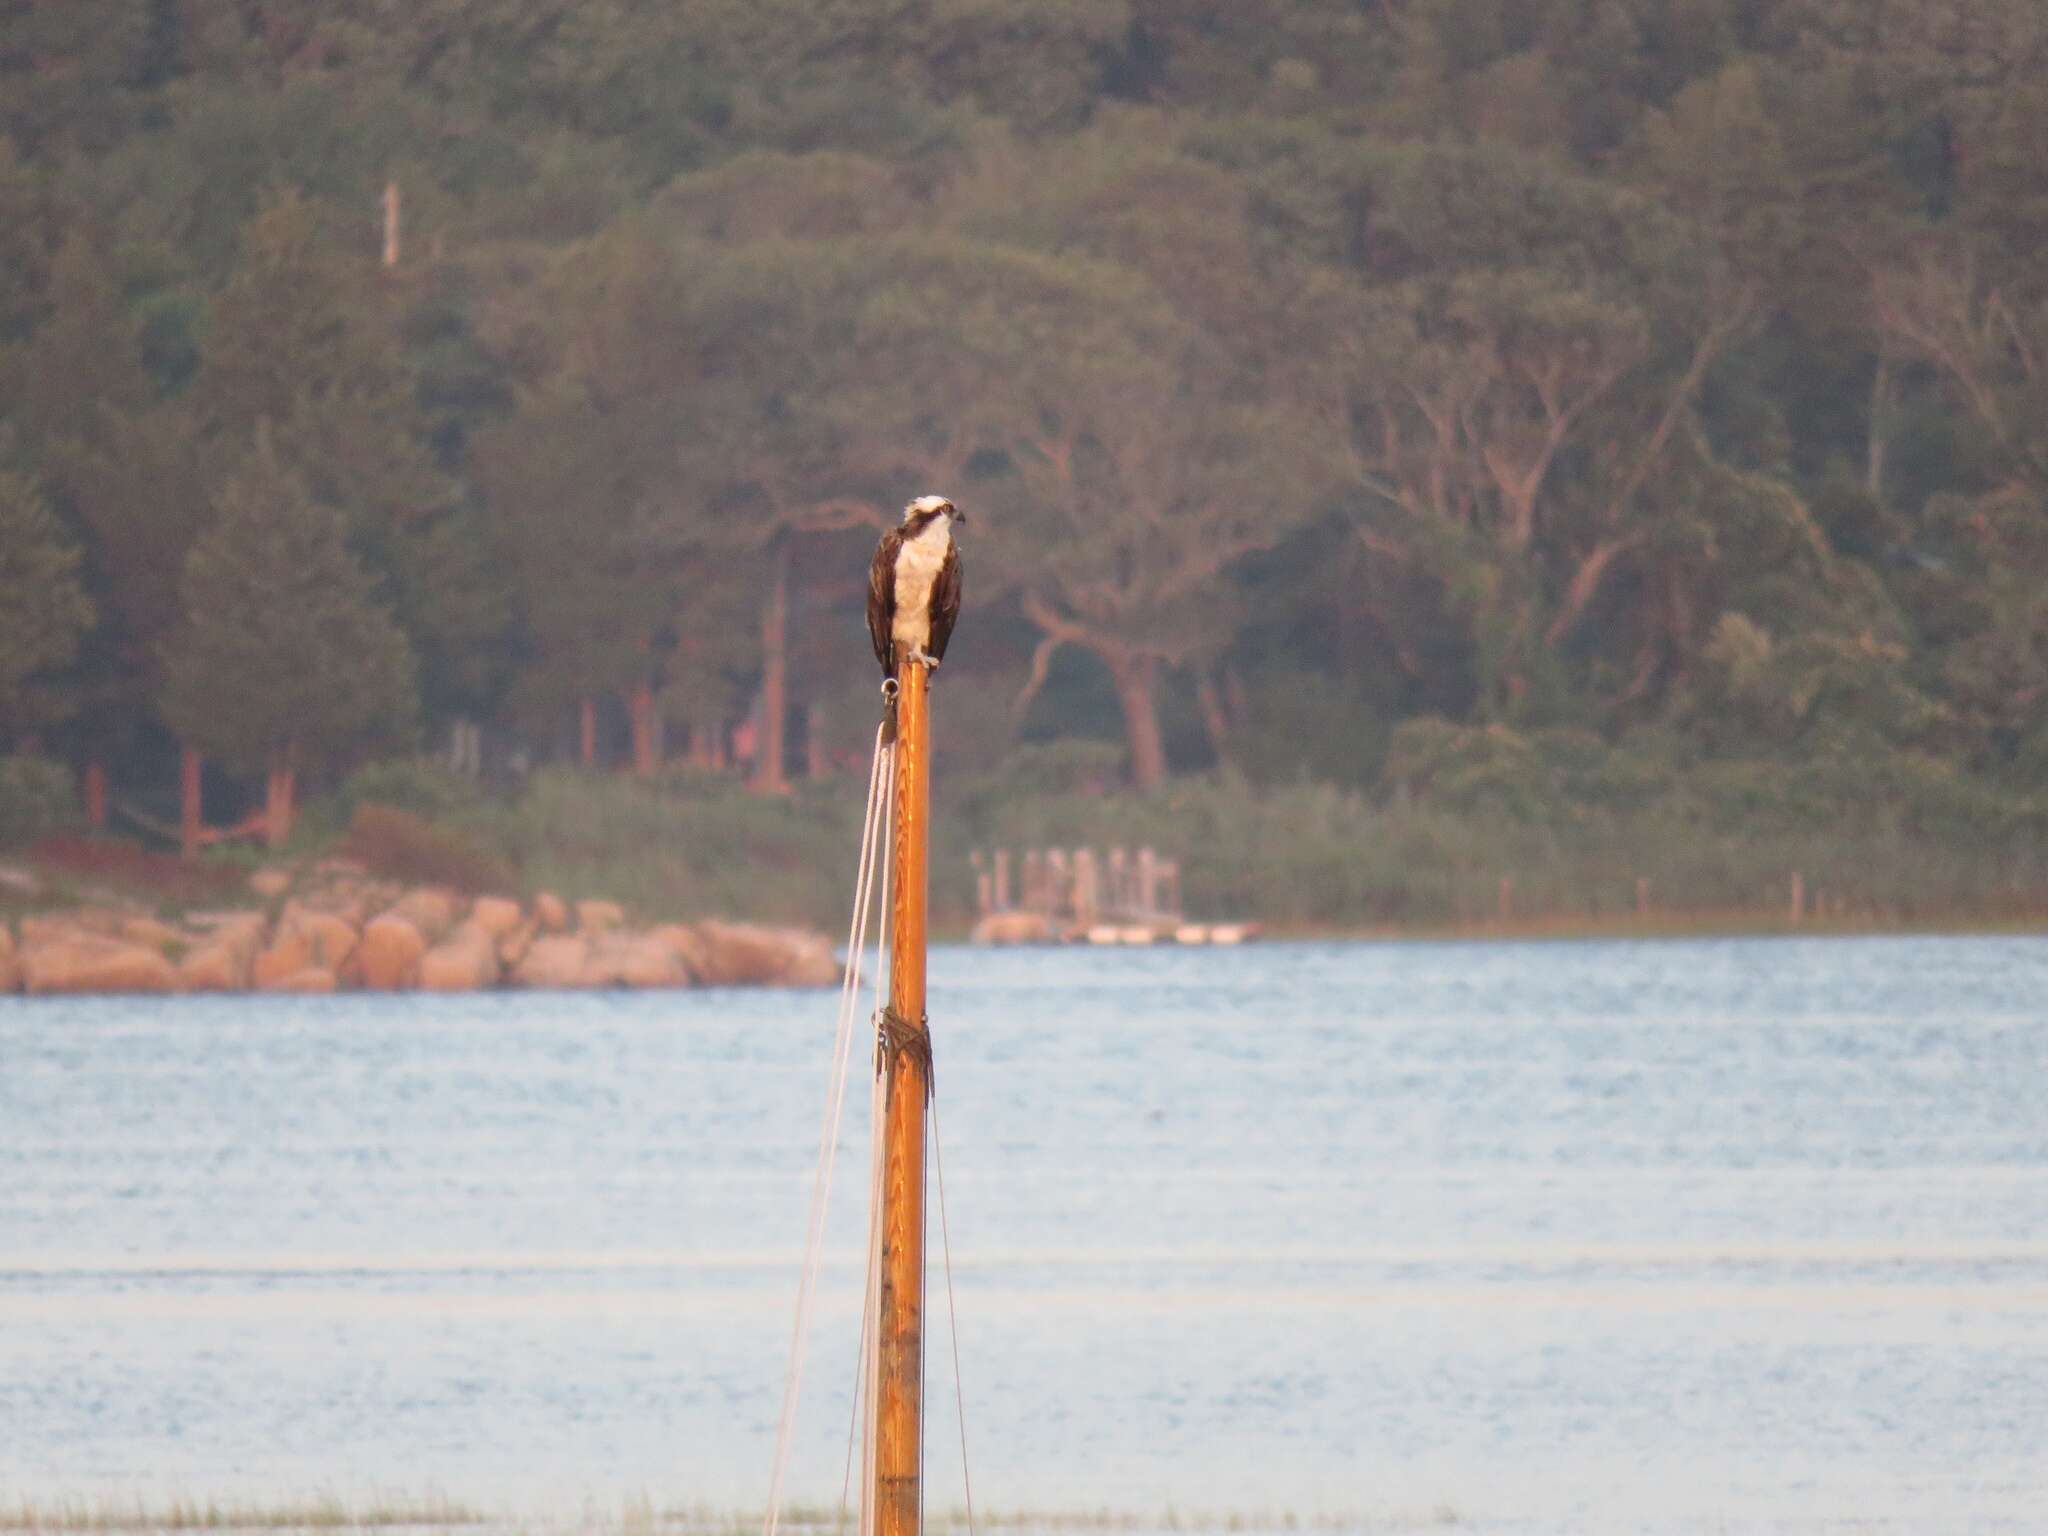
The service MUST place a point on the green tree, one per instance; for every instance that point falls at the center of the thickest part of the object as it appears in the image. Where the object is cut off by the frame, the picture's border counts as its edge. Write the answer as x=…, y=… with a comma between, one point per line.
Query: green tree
x=284, y=657
x=44, y=609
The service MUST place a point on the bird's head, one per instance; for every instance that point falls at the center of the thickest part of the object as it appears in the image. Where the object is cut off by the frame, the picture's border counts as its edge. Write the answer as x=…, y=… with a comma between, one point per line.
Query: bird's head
x=919, y=513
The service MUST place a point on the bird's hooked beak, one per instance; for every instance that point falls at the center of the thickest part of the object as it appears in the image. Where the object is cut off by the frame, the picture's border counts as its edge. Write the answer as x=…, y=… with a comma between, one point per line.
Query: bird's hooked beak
x=956, y=515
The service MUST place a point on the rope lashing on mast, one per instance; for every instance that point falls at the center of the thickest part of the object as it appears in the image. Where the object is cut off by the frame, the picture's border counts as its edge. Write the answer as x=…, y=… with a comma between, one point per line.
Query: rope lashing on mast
x=898, y=1036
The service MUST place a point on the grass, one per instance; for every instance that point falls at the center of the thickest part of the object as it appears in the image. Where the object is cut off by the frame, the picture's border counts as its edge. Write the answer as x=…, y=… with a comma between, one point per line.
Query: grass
x=319, y=1514
x=1301, y=858
x=163, y=878
x=640, y=1517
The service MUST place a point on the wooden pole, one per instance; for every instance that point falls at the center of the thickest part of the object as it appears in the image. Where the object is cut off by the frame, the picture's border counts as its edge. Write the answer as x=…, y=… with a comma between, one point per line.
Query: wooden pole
x=390, y=225
x=897, y=1497
x=188, y=802
x=96, y=795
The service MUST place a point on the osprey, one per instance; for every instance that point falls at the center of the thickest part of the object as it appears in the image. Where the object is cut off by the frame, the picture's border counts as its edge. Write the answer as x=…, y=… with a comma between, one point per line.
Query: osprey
x=914, y=586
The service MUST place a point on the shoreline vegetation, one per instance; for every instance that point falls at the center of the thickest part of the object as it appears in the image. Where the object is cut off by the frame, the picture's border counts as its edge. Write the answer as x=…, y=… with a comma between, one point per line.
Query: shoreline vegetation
x=410, y=876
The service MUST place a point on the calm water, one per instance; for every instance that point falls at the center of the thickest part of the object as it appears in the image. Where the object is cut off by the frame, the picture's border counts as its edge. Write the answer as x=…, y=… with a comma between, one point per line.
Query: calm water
x=1576, y=1237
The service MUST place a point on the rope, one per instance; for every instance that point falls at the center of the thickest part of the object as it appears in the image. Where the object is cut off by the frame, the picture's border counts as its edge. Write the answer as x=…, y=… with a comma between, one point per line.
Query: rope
x=871, y=1362
x=870, y=1345
x=952, y=1314
x=901, y=1037
x=828, y=1138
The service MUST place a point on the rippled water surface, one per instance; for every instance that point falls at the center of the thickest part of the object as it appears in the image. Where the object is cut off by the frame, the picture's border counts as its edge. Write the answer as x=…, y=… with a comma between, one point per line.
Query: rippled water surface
x=1576, y=1237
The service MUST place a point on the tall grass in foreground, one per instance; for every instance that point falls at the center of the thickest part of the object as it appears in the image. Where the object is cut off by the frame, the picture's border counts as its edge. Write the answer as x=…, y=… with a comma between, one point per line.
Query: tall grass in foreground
x=640, y=1517
x=325, y=1513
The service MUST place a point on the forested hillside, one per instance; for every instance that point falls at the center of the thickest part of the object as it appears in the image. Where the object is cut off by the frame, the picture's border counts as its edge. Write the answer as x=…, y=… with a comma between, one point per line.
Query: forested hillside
x=1529, y=409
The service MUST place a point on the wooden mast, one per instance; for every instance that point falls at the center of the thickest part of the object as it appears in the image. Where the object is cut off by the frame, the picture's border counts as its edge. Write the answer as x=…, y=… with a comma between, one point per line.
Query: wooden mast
x=896, y=1492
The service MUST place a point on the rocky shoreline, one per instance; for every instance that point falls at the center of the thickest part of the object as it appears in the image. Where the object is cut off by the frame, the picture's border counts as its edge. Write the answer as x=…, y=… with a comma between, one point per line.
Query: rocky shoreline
x=336, y=929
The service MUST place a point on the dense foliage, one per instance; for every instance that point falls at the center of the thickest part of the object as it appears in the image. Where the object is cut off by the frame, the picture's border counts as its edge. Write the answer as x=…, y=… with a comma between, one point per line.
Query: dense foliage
x=1503, y=406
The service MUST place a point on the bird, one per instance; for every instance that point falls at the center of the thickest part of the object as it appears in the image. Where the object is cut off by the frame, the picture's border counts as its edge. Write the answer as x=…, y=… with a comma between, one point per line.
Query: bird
x=914, y=585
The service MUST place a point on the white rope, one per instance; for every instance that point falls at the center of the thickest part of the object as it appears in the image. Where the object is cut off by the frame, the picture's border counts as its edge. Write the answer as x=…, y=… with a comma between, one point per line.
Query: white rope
x=952, y=1313
x=878, y=1092
x=861, y=1420
x=828, y=1139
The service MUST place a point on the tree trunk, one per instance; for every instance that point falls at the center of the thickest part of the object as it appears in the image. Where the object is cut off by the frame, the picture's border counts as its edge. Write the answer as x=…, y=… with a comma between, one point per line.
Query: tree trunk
x=277, y=822
x=1585, y=586
x=1135, y=678
x=1215, y=721
x=96, y=795
x=644, y=753
x=768, y=778
x=587, y=724
x=189, y=820
x=817, y=762
x=1879, y=427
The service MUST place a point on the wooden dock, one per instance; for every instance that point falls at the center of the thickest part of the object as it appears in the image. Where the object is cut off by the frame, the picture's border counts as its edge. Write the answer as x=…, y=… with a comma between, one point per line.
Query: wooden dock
x=1084, y=896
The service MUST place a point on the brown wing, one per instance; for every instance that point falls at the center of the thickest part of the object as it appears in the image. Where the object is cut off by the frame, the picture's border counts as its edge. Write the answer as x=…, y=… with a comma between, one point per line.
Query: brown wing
x=945, y=601
x=882, y=598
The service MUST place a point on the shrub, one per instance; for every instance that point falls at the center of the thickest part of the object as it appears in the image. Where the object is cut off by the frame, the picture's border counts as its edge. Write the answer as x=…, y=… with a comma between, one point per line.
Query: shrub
x=419, y=785
x=401, y=846
x=36, y=799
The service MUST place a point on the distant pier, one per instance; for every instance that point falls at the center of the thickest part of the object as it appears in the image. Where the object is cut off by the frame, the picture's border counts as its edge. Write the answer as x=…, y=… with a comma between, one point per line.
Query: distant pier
x=1082, y=896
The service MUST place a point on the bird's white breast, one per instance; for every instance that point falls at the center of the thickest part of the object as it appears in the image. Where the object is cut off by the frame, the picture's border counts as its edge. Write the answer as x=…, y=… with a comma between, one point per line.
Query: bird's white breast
x=917, y=567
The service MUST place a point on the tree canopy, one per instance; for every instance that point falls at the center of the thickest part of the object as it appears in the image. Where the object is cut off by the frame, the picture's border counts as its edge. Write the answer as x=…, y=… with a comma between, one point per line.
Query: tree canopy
x=1671, y=372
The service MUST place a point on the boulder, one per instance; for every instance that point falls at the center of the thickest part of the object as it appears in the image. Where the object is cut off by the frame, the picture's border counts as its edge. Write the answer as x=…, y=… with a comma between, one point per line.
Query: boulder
x=271, y=883
x=391, y=950
x=553, y=960
x=313, y=978
x=682, y=941
x=599, y=916
x=466, y=961
x=496, y=915
x=550, y=912
x=288, y=954
x=331, y=939
x=72, y=923
x=429, y=909
x=512, y=946
x=1013, y=928
x=244, y=931
x=150, y=933
x=632, y=960
x=752, y=954
x=214, y=965
x=90, y=964
x=348, y=901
